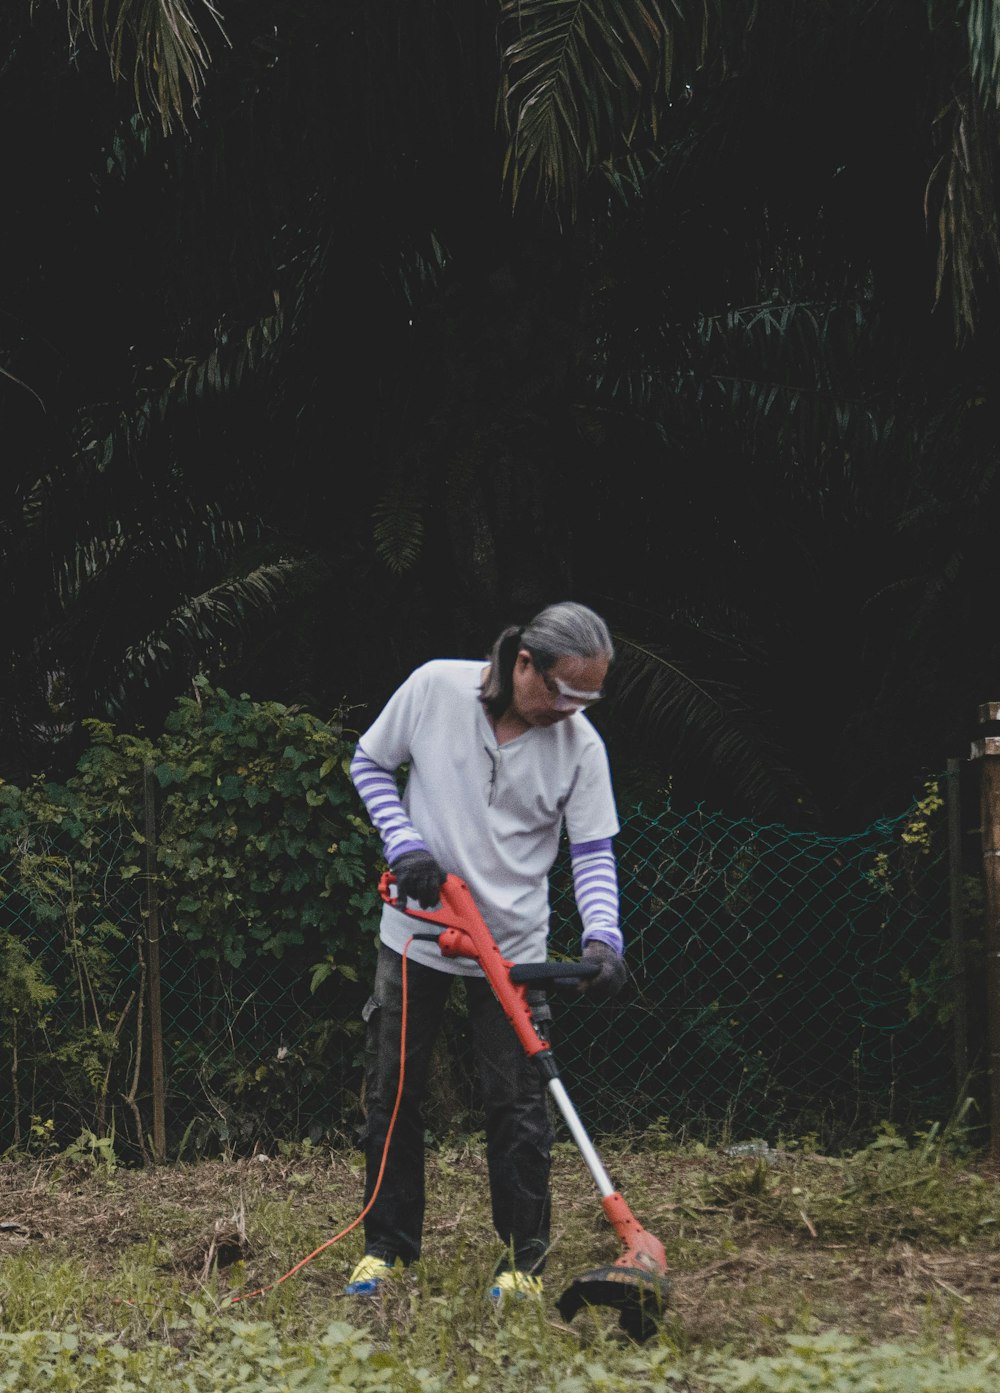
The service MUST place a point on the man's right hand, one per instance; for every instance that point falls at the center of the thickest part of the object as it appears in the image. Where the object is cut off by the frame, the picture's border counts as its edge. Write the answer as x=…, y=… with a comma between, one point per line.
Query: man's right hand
x=418, y=877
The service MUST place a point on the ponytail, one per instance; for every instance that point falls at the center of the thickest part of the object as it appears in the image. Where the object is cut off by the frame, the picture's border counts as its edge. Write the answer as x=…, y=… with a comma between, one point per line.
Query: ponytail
x=497, y=690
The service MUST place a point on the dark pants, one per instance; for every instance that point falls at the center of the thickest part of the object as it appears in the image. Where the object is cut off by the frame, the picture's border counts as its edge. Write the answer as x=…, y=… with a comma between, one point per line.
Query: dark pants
x=518, y=1129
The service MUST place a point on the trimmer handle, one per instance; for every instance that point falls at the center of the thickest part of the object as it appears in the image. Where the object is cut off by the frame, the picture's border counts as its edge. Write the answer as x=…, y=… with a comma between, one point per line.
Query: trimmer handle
x=541, y=974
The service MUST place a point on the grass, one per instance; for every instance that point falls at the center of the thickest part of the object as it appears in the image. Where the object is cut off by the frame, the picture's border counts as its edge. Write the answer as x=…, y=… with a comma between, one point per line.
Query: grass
x=786, y=1265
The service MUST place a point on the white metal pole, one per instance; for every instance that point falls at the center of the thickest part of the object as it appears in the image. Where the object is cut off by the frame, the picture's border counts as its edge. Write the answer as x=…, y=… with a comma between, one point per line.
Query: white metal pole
x=594, y=1164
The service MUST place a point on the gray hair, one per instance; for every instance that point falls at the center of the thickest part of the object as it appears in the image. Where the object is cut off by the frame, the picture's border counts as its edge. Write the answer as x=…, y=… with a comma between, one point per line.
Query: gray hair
x=565, y=630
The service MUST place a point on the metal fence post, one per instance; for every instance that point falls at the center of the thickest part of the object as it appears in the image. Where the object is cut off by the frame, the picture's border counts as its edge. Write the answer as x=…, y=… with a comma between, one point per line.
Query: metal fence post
x=153, y=976
x=986, y=749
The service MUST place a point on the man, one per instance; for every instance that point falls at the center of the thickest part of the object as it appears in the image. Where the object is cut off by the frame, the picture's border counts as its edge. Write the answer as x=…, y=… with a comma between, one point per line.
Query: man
x=501, y=758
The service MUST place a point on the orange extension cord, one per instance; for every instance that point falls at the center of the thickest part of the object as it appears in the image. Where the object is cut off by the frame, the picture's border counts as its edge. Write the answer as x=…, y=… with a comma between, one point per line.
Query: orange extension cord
x=232, y=1301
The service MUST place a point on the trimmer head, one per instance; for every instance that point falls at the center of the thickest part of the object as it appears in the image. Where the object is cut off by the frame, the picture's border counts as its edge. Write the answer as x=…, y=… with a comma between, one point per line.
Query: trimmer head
x=638, y=1296
x=636, y=1285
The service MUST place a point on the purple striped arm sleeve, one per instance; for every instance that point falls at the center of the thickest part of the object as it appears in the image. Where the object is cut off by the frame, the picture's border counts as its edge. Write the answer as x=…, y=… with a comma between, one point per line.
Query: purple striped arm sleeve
x=595, y=885
x=380, y=796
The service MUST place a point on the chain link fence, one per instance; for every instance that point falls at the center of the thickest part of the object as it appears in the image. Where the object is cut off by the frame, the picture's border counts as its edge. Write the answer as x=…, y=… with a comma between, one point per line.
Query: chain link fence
x=783, y=984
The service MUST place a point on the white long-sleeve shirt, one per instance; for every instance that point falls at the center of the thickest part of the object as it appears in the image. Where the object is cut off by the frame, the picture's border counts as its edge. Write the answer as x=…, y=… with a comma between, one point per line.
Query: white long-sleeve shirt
x=492, y=814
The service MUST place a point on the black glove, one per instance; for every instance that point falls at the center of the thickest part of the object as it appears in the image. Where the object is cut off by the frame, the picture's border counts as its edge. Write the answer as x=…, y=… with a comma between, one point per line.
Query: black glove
x=612, y=976
x=418, y=877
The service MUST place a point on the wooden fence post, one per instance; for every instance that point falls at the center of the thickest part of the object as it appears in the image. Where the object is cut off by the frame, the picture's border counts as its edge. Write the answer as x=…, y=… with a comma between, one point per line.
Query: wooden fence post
x=153, y=975
x=986, y=749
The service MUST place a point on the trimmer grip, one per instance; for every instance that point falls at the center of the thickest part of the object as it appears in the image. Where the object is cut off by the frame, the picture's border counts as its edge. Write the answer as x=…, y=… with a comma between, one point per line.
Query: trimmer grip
x=541, y=974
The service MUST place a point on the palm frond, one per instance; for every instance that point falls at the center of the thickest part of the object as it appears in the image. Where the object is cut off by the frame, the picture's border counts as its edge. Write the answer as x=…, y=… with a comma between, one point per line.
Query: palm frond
x=982, y=24
x=191, y=540
x=627, y=175
x=420, y=269
x=203, y=629
x=224, y=368
x=398, y=528
x=779, y=374
x=18, y=382
x=580, y=79
x=960, y=202
x=709, y=726
x=155, y=43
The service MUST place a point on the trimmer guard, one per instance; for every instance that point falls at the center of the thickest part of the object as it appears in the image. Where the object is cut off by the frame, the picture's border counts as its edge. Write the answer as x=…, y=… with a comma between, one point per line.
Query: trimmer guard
x=638, y=1296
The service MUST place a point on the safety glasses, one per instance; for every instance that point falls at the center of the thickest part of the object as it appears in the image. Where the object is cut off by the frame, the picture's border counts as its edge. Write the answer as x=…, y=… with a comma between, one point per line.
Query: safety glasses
x=565, y=697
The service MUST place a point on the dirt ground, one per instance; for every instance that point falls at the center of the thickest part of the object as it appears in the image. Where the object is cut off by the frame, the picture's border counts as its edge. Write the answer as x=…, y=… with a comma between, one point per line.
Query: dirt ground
x=891, y=1246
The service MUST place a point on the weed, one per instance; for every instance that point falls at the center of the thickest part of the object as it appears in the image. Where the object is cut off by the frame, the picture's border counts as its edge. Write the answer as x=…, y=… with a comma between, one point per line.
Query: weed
x=91, y=1151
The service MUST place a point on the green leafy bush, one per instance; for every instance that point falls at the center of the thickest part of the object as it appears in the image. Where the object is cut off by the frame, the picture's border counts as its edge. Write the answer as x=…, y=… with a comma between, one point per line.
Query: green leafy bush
x=263, y=844
x=253, y=1357
x=265, y=872
x=245, y=1357
x=843, y=1365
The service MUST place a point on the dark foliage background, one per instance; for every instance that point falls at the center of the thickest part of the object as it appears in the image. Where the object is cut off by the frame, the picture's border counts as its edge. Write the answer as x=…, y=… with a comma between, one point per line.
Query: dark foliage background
x=422, y=315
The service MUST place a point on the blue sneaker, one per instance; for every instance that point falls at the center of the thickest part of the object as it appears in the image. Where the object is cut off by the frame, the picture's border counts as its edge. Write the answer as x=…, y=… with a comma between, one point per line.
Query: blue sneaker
x=368, y=1276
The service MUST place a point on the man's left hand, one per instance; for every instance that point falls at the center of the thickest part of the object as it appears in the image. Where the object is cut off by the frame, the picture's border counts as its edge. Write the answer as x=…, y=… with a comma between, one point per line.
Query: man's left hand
x=612, y=976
